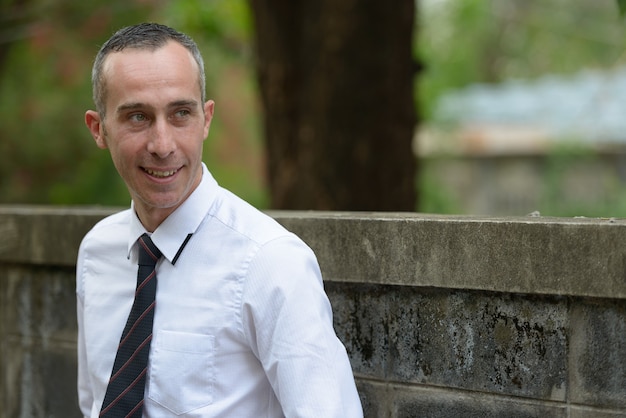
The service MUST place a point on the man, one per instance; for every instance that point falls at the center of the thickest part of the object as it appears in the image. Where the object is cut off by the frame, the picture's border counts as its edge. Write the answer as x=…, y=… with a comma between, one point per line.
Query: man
x=240, y=325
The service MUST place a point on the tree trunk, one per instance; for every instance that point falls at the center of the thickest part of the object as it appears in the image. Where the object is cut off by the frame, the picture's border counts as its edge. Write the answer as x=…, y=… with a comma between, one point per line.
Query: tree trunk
x=336, y=83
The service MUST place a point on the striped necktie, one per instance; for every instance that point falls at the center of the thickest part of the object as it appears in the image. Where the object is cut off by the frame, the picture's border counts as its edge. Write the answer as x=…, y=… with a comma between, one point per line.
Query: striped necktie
x=124, y=395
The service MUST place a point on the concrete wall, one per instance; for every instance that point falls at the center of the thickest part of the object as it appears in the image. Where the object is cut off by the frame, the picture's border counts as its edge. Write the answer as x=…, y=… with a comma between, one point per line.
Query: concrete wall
x=442, y=316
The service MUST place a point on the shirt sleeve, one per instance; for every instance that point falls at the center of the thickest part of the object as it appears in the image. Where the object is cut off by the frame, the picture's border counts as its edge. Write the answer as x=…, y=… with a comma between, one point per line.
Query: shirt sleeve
x=288, y=320
x=85, y=398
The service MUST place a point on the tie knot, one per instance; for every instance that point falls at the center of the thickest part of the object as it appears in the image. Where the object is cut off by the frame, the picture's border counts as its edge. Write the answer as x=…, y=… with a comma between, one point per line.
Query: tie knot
x=149, y=254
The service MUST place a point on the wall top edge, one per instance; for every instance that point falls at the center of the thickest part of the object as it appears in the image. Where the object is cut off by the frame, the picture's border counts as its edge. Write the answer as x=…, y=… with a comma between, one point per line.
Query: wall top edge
x=21, y=210
x=537, y=255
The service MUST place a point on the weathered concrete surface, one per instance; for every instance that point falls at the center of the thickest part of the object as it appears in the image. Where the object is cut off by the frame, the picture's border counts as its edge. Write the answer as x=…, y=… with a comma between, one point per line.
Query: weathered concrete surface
x=550, y=349
x=598, y=353
x=582, y=257
x=434, y=403
x=44, y=235
x=441, y=316
x=38, y=342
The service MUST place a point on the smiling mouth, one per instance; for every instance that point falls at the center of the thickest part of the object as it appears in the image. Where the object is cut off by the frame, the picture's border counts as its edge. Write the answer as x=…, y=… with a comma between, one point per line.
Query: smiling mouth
x=160, y=174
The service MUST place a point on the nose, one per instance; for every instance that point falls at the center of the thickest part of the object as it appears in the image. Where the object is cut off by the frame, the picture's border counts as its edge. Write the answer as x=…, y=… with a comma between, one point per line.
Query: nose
x=162, y=140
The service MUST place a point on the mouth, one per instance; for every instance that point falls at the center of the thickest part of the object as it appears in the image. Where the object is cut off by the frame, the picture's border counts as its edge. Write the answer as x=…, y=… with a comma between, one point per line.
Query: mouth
x=160, y=174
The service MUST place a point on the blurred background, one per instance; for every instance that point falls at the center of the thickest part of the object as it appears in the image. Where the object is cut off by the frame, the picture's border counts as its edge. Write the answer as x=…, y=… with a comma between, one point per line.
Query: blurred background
x=519, y=104
x=523, y=106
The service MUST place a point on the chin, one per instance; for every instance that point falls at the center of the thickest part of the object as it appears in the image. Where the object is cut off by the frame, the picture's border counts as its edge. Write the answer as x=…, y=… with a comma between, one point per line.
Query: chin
x=159, y=202
x=167, y=204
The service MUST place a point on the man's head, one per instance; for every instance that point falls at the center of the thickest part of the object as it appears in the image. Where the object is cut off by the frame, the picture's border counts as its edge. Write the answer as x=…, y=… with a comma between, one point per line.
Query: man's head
x=149, y=36
x=148, y=81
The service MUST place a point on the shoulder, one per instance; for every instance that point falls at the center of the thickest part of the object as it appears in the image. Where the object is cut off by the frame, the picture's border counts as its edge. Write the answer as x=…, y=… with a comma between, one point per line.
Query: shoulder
x=244, y=219
x=105, y=241
x=111, y=230
x=271, y=244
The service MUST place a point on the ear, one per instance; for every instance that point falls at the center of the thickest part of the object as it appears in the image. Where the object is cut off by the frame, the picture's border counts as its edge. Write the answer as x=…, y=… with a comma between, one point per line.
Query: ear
x=96, y=127
x=209, y=107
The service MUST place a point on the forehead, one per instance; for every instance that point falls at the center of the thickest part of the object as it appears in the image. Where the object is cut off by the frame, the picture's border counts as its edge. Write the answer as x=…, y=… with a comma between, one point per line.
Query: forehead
x=135, y=69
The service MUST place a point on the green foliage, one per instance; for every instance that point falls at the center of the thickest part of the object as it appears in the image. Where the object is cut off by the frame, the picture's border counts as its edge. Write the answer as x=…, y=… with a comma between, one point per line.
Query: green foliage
x=225, y=23
x=463, y=42
x=621, y=4
x=434, y=196
x=562, y=196
x=447, y=40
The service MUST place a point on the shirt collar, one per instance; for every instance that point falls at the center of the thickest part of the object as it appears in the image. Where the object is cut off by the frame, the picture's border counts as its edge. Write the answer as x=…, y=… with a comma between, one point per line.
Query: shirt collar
x=185, y=220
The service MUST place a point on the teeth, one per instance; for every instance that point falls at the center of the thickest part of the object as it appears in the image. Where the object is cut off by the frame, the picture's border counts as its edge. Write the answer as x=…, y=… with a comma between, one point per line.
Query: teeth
x=161, y=173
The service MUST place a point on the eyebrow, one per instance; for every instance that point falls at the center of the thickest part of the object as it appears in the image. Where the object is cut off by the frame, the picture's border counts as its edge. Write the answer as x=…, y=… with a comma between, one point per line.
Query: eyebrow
x=129, y=106
x=138, y=105
x=178, y=103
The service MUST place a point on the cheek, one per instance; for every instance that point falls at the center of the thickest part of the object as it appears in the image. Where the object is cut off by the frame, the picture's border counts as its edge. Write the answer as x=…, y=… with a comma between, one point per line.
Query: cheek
x=122, y=153
x=117, y=161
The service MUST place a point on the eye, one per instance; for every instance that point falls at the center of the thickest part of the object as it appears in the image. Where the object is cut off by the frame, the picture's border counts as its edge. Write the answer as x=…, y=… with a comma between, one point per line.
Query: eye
x=137, y=117
x=182, y=113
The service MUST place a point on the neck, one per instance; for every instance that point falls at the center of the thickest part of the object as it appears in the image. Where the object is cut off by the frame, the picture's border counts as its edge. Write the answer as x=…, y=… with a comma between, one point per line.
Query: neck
x=152, y=218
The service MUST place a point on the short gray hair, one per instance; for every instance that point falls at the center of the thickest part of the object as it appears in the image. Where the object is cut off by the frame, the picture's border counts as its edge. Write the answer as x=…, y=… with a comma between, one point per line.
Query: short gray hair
x=149, y=36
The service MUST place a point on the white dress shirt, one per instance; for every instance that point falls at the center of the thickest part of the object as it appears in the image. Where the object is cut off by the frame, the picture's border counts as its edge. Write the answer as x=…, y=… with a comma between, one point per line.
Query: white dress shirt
x=242, y=326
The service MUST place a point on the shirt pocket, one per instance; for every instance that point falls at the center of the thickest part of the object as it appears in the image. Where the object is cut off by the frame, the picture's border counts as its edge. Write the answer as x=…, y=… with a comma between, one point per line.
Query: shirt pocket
x=182, y=375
